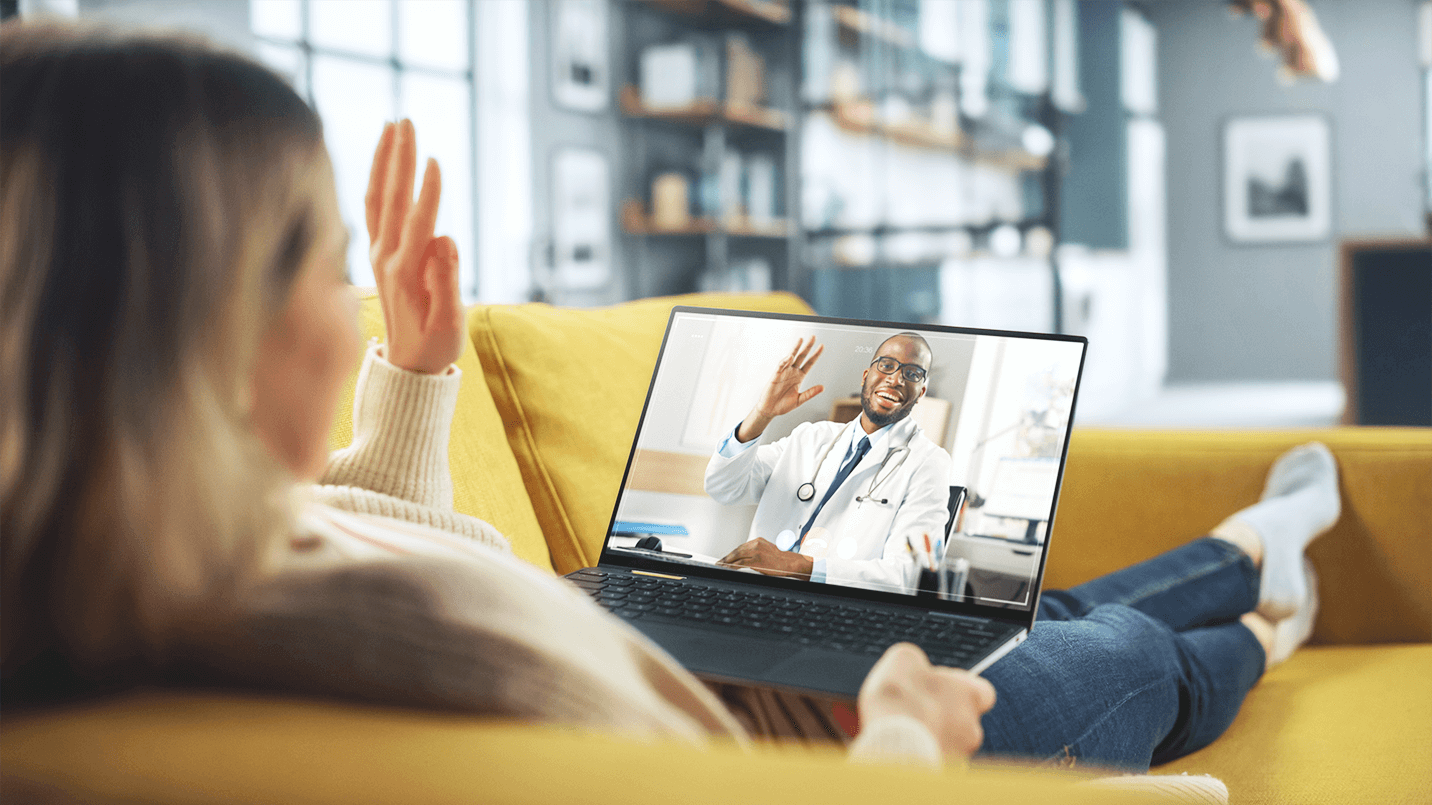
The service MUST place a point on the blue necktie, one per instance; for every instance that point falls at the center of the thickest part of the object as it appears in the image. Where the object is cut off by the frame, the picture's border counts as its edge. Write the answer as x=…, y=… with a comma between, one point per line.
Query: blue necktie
x=845, y=470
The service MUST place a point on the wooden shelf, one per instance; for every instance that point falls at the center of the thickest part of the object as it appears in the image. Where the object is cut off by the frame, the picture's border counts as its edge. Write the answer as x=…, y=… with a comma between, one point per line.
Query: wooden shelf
x=920, y=134
x=859, y=117
x=1012, y=160
x=858, y=22
x=879, y=230
x=704, y=111
x=770, y=12
x=778, y=228
x=635, y=221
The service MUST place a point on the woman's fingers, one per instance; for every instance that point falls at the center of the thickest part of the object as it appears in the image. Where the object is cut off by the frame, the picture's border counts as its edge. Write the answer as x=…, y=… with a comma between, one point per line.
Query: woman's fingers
x=417, y=274
x=373, y=201
x=443, y=286
x=417, y=230
x=979, y=689
x=947, y=701
x=398, y=188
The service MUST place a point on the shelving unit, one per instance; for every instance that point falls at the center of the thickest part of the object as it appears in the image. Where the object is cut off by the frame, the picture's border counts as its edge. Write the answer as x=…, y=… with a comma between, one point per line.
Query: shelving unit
x=719, y=245
x=943, y=184
x=877, y=102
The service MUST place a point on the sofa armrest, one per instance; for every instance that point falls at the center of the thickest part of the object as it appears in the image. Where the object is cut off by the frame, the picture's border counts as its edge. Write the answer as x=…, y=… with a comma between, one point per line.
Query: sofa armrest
x=1128, y=495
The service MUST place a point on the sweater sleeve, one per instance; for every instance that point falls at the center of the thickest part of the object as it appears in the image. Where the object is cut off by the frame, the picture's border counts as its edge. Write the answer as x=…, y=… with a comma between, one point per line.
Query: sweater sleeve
x=397, y=466
x=401, y=424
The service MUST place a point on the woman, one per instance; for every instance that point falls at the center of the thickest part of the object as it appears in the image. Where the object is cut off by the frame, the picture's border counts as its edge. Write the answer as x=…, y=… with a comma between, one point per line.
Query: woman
x=176, y=332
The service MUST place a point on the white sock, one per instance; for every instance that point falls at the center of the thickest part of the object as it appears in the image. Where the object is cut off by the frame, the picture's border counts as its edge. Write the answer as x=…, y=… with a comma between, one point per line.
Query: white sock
x=1300, y=501
x=1290, y=633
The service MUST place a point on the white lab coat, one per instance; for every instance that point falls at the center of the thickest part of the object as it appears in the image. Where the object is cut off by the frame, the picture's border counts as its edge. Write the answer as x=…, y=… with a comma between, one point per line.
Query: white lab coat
x=866, y=539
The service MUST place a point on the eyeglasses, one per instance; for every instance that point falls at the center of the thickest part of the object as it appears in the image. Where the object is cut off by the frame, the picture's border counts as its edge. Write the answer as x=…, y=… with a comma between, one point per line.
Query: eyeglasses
x=912, y=373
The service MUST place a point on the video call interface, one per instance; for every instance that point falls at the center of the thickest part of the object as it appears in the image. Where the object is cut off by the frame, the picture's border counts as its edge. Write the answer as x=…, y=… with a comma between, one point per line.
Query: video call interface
x=909, y=461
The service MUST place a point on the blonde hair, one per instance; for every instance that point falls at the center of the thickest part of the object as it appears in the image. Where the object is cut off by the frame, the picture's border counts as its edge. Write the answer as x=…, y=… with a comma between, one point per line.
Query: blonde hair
x=159, y=197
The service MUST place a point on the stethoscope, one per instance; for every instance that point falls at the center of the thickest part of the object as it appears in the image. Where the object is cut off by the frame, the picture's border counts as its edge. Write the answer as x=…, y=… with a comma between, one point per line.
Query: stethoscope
x=806, y=491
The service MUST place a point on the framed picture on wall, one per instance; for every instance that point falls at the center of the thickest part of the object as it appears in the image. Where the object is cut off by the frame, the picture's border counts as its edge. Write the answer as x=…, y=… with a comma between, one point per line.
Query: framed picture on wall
x=1277, y=179
x=581, y=218
x=580, y=73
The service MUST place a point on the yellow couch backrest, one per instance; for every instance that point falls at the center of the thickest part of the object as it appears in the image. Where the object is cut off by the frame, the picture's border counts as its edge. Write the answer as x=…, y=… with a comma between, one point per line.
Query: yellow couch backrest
x=1129, y=495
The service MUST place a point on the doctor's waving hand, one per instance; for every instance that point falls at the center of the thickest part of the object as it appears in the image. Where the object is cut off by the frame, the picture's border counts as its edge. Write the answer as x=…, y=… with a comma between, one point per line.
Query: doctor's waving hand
x=839, y=503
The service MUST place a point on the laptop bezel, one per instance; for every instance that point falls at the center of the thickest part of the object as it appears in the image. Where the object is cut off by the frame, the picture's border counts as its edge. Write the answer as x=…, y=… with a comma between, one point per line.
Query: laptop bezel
x=622, y=559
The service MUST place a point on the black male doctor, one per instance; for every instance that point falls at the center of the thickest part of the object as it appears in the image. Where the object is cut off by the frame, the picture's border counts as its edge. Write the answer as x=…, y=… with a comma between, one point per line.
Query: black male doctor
x=839, y=503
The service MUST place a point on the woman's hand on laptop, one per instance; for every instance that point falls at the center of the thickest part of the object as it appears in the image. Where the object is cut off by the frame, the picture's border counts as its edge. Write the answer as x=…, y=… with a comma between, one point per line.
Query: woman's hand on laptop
x=416, y=273
x=948, y=701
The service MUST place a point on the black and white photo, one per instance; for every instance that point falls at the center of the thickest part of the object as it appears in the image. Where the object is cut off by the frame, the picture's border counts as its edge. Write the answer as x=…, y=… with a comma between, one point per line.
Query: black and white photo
x=1276, y=179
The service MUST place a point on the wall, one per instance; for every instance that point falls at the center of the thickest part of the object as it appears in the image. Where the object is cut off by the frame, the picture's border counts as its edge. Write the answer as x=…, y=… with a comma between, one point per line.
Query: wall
x=554, y=127
x=1114, y=259
x=1269, y=312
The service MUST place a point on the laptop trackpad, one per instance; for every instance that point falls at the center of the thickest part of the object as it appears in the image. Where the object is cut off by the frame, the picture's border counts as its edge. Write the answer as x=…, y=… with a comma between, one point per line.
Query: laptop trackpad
x=819, y=671
x=760, y=661
x=715, y=653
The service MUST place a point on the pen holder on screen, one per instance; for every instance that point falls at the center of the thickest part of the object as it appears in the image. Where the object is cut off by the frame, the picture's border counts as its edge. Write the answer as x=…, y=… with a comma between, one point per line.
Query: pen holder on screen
x=954, y=575
x=927, y=586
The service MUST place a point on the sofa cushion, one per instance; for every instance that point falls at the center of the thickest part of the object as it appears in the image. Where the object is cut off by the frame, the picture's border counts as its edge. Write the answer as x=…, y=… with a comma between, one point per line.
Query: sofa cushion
x=1129, y=495
x=184, y=748
x=1332, y=724
x=570, y=386
x=486, y=481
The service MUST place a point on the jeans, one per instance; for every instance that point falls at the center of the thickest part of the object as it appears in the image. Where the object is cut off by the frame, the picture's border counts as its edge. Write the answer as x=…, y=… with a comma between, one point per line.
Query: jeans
x=1139, y=667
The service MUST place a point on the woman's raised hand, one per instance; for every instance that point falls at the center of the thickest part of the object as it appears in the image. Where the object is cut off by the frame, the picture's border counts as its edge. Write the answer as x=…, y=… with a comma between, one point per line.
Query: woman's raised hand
x=948, y=701
x=416, y=272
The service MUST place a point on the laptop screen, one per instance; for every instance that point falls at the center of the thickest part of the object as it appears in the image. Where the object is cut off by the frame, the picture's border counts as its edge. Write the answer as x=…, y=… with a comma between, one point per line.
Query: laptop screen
x=897, y=460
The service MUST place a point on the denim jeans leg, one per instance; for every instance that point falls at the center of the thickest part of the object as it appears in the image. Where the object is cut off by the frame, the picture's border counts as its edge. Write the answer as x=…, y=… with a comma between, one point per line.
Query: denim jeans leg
x=1206, y=582
x=1217, y=665
x=1118, y=688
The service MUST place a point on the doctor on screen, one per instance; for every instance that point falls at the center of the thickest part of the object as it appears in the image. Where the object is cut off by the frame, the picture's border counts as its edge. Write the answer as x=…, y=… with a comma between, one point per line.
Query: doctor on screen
x=838, y=502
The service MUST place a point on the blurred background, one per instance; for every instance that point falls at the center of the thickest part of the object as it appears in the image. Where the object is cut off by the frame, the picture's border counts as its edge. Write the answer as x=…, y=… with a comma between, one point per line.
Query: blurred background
x=1230, y=199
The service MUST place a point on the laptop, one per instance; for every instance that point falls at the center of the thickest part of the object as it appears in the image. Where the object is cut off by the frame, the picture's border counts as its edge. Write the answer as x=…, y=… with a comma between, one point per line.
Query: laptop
x=994, y=418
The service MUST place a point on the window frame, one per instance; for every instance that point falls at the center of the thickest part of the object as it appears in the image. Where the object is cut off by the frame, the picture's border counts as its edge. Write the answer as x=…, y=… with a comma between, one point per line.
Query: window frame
x=394, y=62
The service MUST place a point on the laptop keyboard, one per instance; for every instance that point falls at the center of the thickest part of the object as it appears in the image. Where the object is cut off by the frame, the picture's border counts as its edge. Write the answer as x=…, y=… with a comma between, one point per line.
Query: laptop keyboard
x=954, y=642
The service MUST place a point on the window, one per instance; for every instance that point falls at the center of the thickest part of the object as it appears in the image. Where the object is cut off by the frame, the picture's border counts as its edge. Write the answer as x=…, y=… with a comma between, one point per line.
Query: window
x=363, y=62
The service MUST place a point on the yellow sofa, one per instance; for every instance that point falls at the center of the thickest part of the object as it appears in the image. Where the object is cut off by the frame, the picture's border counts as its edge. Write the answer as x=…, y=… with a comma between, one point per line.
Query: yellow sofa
x=1347, y=720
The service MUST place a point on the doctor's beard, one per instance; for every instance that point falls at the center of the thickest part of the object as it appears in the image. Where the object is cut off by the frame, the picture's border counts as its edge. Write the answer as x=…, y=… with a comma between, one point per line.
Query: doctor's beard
x=881, y=420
